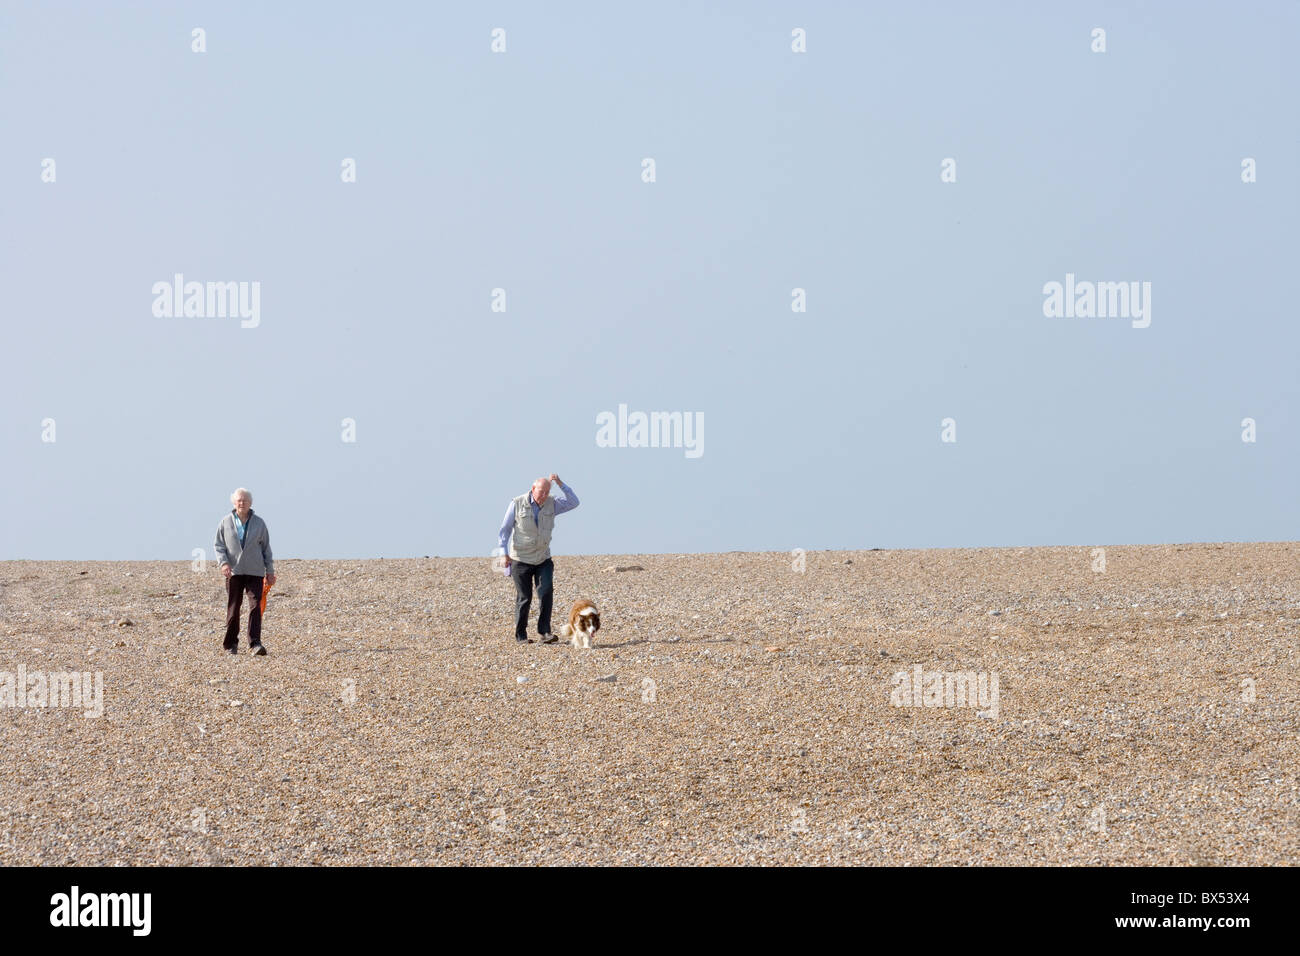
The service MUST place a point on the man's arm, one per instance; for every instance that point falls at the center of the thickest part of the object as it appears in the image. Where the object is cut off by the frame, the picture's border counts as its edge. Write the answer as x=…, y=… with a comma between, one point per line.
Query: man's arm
x=568, y=502
x=266, y=553
x=507, y=526
x=223, y=557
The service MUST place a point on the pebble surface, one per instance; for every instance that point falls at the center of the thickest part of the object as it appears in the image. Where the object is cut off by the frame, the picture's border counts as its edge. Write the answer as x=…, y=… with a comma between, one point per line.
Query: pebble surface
x=735, y=710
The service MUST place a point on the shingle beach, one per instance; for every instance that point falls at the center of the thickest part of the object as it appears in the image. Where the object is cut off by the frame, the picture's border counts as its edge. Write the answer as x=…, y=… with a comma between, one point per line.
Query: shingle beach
x=736, y=710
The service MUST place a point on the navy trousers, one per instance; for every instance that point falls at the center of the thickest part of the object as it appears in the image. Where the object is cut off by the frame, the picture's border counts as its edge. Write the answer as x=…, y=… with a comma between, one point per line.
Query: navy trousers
x=235, y=588
x=525, y=576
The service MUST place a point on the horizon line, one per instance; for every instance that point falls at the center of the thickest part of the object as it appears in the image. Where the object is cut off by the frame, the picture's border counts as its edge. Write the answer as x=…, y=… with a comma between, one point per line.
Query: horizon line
x=688, y=554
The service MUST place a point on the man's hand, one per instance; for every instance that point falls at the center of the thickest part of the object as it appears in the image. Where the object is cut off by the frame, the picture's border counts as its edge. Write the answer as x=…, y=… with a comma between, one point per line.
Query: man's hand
x=556, y=478
x=270, y=580
x=225, y=570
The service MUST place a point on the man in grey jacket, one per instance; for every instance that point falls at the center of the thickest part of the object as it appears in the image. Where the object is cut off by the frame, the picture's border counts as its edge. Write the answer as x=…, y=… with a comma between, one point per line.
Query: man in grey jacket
x=244, y=549
x=526, y=528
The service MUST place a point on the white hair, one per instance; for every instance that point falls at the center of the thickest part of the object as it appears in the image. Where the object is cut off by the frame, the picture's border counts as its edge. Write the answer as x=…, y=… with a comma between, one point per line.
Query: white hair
x=241, y=491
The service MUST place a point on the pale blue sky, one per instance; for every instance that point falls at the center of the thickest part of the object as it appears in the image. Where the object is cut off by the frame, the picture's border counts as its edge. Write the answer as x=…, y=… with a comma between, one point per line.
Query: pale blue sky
x=522, y=170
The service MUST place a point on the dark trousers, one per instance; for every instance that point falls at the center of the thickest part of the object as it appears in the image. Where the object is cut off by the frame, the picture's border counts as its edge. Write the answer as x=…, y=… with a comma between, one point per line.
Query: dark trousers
x=524, y=575
x=235, y=588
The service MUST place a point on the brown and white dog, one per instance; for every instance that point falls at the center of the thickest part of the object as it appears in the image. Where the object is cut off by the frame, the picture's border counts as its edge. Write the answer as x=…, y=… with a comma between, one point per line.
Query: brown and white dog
x=584, y=622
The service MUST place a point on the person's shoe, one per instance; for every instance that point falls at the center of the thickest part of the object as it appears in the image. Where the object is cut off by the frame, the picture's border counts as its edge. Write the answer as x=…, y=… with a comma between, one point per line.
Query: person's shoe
x=258, y=650
x=547, y=638
x=232, y=649
x=522, y=640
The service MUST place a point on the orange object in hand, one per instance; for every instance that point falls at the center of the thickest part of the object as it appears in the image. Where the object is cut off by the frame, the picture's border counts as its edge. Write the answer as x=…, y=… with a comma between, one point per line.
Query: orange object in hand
x=265, y=589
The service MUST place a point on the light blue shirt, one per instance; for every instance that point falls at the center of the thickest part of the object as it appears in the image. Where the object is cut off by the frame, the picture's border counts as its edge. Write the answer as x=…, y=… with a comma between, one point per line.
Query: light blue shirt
x=239, y=527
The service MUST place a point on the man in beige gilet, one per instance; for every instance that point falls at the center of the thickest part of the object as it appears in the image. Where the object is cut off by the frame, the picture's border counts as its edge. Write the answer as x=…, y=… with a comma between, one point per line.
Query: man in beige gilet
x=525, y=540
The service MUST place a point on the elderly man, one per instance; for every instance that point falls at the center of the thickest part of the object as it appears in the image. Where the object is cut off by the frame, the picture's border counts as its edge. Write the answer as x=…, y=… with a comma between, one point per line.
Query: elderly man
x=525, y=537
x=244, y=550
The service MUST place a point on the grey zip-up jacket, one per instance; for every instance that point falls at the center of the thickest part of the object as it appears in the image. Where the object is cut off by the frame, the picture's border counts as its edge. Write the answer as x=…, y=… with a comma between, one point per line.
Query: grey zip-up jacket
x=254, y=556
